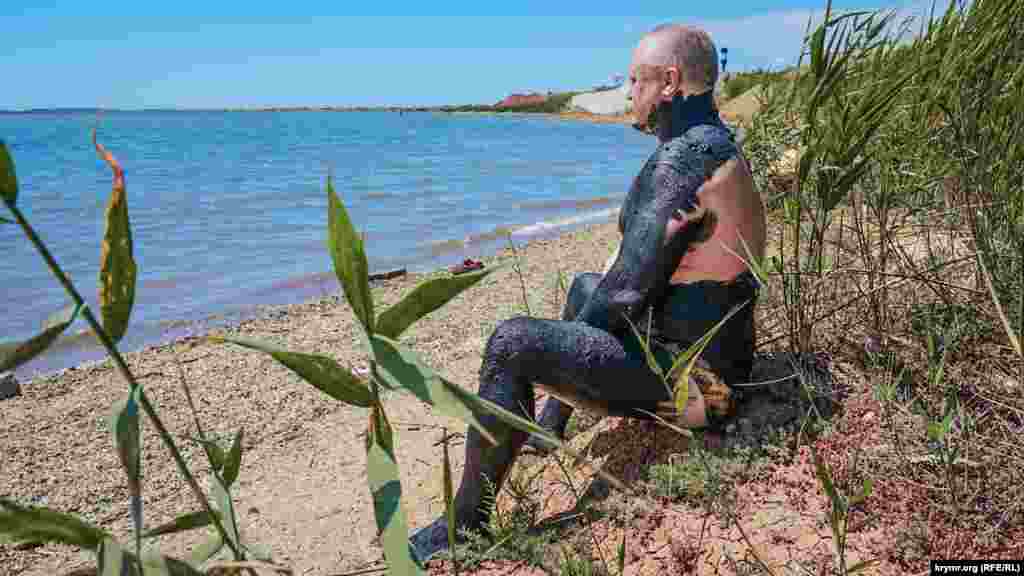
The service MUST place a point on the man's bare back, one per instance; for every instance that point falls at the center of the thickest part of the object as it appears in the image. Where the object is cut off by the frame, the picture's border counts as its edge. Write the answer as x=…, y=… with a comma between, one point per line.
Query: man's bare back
x=738, y=213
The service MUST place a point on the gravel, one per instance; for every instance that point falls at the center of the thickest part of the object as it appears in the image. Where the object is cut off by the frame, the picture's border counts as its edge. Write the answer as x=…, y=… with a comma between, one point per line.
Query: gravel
x=302, y=490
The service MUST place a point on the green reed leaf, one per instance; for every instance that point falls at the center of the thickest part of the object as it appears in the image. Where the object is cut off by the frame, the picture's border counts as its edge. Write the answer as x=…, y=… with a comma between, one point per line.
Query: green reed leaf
x=424, y=299
x=688, y=358
x=349, y=257
x=234, y=460
x=208, y=549
x=189, y=521
x=226, y=509
x=622, y=554
x=258, y=551
x=401, y=368
x=751, y=261
x=214, y=453
x=825, y=479
x=8, y=178
x=864, y=493
x=34, y=524
x=831, y=196
x=111, y=560
x=320, y=371
x=817, y=51
x=806, y=161
x=386, y=490
x=125, y=424
x=14, y=354
x=652, y=362
x=156, y=564
x=449, y=499
x=117, y=264
x=6, y=221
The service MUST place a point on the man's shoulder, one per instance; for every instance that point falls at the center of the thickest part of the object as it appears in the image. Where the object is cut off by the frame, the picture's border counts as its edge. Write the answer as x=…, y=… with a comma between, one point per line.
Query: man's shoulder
x=699, y=142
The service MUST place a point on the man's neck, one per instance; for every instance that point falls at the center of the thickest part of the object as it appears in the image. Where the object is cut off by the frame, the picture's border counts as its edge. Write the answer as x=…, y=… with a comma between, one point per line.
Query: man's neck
x=685, y=112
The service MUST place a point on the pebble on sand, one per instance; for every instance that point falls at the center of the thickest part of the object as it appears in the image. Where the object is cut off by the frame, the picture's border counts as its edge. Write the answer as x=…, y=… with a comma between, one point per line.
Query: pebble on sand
x=9, y=387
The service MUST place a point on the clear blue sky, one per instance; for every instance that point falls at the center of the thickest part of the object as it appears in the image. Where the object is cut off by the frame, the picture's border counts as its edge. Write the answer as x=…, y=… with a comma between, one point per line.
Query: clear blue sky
x=191, y=54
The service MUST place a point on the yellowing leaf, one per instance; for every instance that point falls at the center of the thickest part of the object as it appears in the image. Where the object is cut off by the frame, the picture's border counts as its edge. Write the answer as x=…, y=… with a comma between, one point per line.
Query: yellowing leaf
x=688, y=358
x=117, y=264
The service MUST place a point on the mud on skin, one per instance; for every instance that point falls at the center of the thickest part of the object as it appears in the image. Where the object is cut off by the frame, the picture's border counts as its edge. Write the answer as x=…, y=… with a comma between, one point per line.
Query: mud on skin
x=583, y=355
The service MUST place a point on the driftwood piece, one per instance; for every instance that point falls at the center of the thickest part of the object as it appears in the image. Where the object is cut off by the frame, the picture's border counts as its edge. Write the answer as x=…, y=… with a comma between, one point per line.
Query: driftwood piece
x=387, y=275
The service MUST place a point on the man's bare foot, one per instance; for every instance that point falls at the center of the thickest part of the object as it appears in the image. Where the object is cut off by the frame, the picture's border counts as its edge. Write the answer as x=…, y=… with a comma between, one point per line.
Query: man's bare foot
x=429, y=540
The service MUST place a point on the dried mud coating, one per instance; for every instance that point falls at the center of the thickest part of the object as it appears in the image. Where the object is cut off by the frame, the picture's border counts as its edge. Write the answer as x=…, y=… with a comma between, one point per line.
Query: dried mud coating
x=588, y=354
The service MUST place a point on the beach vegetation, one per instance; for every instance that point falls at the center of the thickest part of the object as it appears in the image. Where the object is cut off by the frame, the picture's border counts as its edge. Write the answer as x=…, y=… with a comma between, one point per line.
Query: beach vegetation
x=892, y=161
x=736, y=84
x=31, y=524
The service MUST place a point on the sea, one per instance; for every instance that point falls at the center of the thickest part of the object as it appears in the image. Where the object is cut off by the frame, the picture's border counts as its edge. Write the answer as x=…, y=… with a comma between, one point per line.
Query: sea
x=229, y=209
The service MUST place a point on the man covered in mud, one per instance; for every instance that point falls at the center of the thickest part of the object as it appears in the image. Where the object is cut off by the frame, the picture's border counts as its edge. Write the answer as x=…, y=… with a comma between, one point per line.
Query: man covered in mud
x=690, y=219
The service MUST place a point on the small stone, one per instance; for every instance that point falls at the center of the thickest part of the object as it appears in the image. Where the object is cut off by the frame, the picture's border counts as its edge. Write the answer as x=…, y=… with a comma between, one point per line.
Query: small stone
x=872, y=344
x=9, y=386
x=867, y=417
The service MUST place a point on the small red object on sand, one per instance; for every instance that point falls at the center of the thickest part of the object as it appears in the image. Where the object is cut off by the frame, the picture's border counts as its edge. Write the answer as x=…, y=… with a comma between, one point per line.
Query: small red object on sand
x=467, y=265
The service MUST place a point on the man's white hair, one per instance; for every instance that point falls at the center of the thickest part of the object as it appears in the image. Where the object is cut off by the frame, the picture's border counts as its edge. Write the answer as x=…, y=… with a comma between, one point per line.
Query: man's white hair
x=688, y=48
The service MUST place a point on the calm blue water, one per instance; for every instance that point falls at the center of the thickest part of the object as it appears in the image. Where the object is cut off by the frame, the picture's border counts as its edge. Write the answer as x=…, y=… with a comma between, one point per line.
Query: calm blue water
x=228, y=210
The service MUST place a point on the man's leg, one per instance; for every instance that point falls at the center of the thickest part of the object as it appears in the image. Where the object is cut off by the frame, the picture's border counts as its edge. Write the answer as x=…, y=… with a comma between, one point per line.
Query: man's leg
x=577, y=360
x=690, y=311
x=554, y=417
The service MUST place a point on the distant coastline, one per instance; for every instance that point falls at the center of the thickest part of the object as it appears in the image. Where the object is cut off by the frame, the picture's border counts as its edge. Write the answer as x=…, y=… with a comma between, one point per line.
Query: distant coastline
x=447, y=109
x=554, y=102
x=51, y=111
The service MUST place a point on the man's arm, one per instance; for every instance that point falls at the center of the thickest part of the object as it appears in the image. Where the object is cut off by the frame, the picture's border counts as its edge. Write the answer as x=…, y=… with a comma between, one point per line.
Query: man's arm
x=664, y=193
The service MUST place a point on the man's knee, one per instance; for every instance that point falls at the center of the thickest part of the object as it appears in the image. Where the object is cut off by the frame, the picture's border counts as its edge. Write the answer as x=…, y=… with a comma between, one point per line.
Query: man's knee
x=511, y=337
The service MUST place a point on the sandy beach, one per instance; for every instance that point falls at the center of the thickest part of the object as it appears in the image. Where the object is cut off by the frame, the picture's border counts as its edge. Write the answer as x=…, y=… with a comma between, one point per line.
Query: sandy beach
x=302, y=490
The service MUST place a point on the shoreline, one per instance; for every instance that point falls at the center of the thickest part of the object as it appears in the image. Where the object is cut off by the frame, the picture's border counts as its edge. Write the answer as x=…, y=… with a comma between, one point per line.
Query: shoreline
x=78, y=347
x=303, y=473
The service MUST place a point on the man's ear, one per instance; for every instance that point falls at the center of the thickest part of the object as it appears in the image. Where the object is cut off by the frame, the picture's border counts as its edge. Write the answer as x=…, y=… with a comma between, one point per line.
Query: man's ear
x=672, y=82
